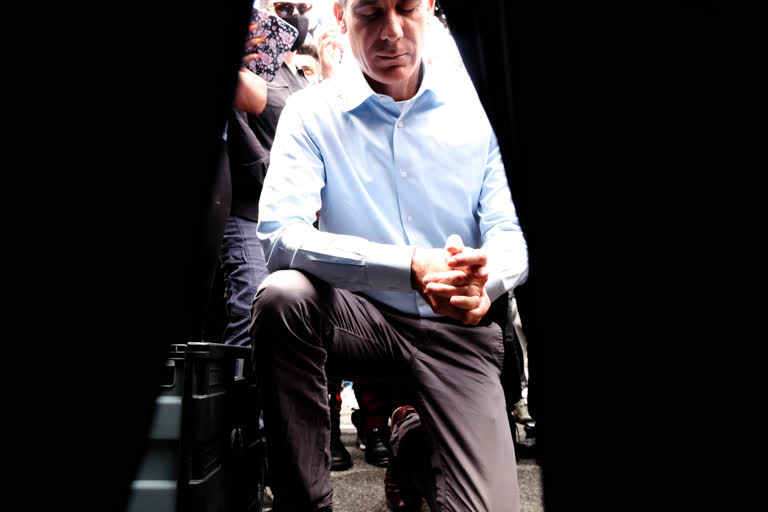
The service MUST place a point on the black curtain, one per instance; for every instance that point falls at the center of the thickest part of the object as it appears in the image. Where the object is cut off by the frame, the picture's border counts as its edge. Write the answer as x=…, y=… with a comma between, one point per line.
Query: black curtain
x=610, y=122
x=154, y=87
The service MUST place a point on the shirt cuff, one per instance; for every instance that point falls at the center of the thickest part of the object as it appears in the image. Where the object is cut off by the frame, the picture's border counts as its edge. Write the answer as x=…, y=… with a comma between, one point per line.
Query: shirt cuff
x=389, y=267
x=494, y=288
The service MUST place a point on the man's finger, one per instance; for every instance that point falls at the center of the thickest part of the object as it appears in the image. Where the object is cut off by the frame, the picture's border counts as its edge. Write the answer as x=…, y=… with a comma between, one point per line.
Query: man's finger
x=446, y=290
x=466, y=316
x=468, y=258
x=474, y=316
x=465, y=302
x=472, y=275
x=452, y=277
x=454, y=245
x=476, y=273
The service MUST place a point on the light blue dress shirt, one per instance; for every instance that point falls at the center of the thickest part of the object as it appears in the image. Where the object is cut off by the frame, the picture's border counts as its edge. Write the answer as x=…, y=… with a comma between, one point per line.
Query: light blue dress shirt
x=386, y=181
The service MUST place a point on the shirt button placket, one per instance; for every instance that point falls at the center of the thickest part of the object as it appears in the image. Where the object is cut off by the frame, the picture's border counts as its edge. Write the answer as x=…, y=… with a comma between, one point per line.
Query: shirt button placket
x=403, y=173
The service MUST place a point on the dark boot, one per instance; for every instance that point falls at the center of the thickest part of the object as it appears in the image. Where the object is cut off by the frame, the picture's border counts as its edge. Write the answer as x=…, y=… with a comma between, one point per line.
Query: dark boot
x=340, y=457
x=377, y=450
x=358, y=422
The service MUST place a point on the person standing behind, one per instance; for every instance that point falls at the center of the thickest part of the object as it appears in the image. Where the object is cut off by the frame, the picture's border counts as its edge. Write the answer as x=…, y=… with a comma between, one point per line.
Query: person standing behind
x=308, y=63
x=252, y=124
x=251, y=130
x=318, y=62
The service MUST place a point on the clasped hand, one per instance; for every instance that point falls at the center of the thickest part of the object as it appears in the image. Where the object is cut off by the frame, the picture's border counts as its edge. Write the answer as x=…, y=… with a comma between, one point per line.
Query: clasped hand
x=452, y=280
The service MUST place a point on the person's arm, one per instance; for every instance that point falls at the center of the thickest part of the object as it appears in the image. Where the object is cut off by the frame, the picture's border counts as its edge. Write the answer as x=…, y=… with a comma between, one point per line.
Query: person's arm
x=251, y=92
x=292, y=195
x=502, y=260
x=290, y=198
x=251, y=89
x=503, y=240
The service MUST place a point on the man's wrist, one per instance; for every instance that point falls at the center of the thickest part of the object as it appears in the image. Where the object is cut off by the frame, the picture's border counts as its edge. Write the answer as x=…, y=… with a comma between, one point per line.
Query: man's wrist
x=416, y=269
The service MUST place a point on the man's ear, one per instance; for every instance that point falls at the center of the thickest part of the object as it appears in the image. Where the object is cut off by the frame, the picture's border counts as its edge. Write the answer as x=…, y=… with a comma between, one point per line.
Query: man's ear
x=339, y=13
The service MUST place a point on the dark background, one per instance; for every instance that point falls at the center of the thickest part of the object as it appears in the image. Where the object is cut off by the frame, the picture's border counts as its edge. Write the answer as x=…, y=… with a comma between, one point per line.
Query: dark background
x=615, y=127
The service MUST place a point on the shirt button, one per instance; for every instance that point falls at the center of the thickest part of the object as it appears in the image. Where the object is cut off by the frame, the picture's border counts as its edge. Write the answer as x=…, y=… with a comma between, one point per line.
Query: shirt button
x=399, y=124
x=403, y=174
x=410, y=219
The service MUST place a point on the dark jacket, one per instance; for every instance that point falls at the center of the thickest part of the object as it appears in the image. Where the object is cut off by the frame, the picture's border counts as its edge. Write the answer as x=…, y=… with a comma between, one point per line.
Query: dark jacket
x=249, y=139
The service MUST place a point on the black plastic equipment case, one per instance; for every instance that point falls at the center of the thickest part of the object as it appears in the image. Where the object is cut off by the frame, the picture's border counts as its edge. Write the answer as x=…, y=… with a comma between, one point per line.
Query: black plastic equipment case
x=205, y=450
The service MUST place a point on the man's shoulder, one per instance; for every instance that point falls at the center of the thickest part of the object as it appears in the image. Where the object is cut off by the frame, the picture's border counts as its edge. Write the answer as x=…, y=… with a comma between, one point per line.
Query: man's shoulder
x=456, y=95
x=324, y=97
x=453, y=84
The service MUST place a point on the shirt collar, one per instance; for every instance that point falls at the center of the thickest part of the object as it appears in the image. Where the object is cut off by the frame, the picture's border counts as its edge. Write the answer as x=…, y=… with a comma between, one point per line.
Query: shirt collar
x=356, y=89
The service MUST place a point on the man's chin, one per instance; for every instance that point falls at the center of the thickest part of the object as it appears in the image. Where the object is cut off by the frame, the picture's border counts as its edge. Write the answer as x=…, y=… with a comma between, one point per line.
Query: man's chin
x=394, y=74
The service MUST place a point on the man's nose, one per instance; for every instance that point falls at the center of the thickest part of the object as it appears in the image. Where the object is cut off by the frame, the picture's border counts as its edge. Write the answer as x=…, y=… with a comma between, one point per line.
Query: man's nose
x=393, y=28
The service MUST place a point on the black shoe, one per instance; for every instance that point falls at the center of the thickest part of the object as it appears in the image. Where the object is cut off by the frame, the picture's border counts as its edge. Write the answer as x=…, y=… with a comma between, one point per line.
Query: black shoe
x=526, y=449
x=357, y=421
x=525, y=446
x=377, y=451
x=340, y=457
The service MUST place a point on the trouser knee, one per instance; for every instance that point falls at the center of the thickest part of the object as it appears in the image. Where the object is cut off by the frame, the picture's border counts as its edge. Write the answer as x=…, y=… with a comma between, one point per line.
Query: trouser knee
x=288, y=304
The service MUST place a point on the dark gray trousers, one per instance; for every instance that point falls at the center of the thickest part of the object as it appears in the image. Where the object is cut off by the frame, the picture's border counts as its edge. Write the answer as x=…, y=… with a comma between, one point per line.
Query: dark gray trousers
x=301, y=325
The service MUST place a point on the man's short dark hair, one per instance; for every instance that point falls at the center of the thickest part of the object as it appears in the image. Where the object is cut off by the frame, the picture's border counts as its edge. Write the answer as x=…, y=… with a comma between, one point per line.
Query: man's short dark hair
x=308, y=49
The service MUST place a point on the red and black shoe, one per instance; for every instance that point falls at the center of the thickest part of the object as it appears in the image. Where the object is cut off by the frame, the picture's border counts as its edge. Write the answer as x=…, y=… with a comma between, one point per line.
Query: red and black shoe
x=400, y=414
x=399, y=498
x=401, y=495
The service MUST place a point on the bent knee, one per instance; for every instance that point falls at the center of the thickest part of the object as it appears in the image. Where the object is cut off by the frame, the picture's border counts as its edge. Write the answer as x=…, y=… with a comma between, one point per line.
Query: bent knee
x=287, y=293
x=288, y=301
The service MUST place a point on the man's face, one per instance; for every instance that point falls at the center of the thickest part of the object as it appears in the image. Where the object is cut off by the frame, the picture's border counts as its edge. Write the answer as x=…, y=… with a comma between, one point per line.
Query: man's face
x=386, y=36
x=309, y=66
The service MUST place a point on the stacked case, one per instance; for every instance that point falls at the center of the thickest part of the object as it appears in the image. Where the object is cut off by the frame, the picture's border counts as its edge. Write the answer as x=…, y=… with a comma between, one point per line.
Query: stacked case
x=205, y=449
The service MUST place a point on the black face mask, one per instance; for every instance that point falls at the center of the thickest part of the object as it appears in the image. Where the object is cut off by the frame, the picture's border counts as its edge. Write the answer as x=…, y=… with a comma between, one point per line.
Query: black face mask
x=301, y=23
